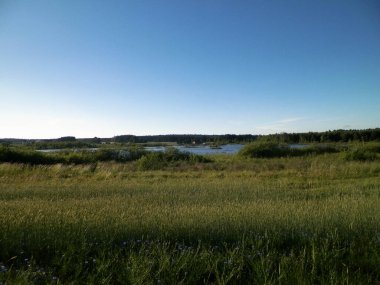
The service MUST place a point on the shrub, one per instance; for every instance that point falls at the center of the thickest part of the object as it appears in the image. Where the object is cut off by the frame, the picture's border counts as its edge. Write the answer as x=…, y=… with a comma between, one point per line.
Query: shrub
x=147, y=160
x=159, y=160
x=78, y=158
x=271, y=150
x=25, y=156
x=199, y=158
x=152, y=161
x=360, y=155
x=121, y=155
x=320, y=149
x=261, y=150
x=373, y=147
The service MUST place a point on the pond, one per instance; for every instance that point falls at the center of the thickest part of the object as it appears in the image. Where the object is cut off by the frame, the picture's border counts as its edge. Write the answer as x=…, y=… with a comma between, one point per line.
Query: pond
x=67, y=149
x=204, y=149
x=297, y=145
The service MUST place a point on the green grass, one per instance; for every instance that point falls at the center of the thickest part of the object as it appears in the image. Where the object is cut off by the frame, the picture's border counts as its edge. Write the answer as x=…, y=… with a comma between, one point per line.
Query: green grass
x=300, y=220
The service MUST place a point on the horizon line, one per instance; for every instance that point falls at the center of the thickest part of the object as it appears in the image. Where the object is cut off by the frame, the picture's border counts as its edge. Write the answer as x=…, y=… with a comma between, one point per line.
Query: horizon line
x=188, y=134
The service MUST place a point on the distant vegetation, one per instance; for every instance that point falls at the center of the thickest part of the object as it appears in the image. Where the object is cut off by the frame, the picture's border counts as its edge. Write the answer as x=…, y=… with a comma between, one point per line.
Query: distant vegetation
x=186, y=139
x=329, y=136
x=353, y=151
x=62, y=144
x=156, y=160
x=310, y=137
x=118, y=214
x=146, y=160
x=269, y=150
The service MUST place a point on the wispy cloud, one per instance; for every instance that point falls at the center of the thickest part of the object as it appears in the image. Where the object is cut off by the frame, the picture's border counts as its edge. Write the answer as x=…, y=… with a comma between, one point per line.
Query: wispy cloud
x=289, y=120
x=280, y=125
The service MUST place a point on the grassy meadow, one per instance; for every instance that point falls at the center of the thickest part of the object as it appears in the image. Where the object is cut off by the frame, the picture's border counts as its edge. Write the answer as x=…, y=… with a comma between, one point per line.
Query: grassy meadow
x=311, y=219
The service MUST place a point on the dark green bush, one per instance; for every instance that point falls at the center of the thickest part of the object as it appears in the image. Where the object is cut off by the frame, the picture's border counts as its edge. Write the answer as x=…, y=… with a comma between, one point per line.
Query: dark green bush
x=359, y=155
x=271, y=150
x=63, y=145
x=319, y=149
x=261, y=150
x=121, y=155
x=199, y=159
x=152, y=161
x=28, y=156
x=77, y=158
x=159, y=160
x=373, y=147
x=24, y=156
x=172, y=154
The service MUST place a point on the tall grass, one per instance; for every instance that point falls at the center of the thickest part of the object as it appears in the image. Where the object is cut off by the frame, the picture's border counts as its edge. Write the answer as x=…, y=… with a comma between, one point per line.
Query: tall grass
x=301, y=220
x=149, y=160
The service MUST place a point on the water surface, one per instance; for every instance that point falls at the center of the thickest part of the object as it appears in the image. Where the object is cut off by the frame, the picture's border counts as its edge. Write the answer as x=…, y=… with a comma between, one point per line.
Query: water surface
x=203, y=149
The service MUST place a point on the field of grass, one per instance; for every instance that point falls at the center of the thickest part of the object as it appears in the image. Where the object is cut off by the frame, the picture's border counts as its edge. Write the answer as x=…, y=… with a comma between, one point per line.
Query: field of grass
x=299, y=220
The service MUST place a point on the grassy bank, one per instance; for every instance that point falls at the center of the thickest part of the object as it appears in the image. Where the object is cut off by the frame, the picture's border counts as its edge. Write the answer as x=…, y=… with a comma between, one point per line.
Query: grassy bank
x=312, y=220
x=147, y=160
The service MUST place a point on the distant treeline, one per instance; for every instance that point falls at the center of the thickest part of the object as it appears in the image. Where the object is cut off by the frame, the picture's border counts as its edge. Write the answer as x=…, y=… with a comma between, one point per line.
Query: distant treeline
x=310, y=137
x=186, y=139
x=368, y=151
x=329, y=136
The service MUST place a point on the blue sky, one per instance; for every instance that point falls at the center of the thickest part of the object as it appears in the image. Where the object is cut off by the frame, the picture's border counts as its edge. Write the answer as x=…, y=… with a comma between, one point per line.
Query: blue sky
x=105, y=68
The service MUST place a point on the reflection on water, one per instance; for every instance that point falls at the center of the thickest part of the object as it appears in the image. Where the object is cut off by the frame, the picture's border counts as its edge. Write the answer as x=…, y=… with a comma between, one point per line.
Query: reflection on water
x=67, y=149
x=227, y=149
x=204, y=149
x=297, y=145
x=155, y=148
x=49, y=150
